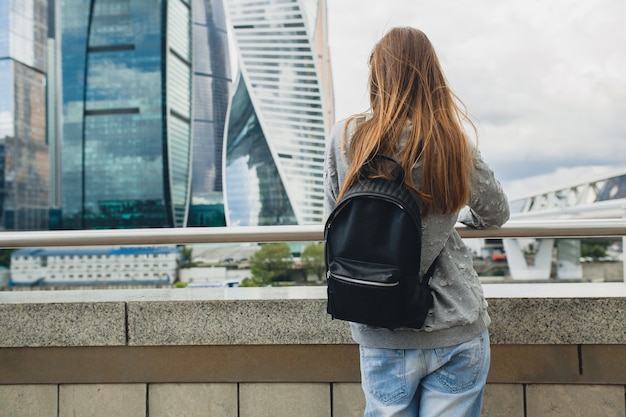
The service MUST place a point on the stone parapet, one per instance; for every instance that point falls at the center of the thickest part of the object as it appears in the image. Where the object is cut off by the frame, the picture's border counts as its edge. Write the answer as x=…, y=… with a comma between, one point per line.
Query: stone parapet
x=562, y=313
x=557, y=349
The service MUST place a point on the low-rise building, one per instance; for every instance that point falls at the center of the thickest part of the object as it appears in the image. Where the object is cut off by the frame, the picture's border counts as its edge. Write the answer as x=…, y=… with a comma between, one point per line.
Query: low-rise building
x=95, y=265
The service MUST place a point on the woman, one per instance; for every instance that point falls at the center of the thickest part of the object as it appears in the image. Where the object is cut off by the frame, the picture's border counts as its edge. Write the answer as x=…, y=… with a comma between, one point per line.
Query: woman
x=441, y=369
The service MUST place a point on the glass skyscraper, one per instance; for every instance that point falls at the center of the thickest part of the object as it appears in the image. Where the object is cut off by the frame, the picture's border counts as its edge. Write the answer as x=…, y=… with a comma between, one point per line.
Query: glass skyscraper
x=127, y=118
x=211, y=89
x=280, y=112
x=24, y=172
x=140, y=130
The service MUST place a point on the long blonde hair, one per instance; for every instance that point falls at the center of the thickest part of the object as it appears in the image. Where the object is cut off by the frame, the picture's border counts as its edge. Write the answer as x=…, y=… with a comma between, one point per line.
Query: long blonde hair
x=408, y=85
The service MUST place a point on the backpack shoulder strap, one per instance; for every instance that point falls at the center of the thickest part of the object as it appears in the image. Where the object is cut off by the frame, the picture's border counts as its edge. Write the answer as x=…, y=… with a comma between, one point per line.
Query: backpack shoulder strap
x=428, y=276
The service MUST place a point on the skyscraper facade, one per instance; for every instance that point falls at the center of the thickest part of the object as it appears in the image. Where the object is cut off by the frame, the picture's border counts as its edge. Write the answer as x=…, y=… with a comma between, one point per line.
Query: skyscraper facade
x=24, y=172
x=211, y=89
x=280, y=112
x=53, y=112
x=127, y=118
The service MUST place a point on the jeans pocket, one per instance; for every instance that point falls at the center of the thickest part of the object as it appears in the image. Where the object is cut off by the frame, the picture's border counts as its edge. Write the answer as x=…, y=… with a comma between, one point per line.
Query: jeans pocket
x=383, y=374
x=464, y=365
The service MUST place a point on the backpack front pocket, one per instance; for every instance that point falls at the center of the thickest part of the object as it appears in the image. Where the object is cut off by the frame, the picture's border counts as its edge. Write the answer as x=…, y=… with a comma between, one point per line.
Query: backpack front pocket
x=364, y=292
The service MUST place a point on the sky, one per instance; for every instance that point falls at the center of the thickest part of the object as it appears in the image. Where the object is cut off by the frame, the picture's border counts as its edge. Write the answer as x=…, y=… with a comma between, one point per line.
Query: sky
x=543, y=80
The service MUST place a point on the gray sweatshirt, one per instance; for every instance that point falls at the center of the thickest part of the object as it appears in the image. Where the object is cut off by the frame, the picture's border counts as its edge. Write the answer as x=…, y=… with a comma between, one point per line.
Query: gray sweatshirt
x=459, y=312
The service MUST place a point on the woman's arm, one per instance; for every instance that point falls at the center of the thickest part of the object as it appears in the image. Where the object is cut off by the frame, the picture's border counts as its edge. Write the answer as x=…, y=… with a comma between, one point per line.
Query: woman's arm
x=331, y=177
x=488, y=206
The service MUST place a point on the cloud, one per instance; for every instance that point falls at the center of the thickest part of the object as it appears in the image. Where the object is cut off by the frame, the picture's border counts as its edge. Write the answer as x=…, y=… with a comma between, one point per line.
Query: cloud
x=545, y=81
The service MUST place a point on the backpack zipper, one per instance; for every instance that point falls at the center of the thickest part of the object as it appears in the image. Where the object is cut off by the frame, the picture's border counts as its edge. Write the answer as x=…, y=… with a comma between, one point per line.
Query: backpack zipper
x=361, y=281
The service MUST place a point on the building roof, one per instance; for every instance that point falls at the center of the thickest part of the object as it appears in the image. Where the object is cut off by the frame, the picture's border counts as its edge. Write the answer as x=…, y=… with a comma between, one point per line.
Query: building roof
x=96, y=250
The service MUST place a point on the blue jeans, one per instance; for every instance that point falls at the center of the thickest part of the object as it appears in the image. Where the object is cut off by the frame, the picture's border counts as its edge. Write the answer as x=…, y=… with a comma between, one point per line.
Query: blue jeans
x=443, y=382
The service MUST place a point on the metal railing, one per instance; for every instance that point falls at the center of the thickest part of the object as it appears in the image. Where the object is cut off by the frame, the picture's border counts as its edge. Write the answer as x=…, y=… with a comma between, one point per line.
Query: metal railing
x=312, y=233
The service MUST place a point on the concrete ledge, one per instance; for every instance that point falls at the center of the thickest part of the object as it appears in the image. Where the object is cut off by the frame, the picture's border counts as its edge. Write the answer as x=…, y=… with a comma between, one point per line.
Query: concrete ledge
x=29, y=400
x=521, y=313
x=556, y=349
x=510, y=364
x=280, y=399
x=63, y=324
x=558, y=320
x=231, y=322
x=178, y=364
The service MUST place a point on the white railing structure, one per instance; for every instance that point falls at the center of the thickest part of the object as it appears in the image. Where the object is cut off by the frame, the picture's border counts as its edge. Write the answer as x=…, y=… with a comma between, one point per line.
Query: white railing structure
x=591, y=198
x=547, y=229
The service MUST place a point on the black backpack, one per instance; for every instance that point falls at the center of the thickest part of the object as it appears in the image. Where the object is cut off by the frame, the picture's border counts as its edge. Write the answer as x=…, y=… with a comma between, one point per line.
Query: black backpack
x=373, y=251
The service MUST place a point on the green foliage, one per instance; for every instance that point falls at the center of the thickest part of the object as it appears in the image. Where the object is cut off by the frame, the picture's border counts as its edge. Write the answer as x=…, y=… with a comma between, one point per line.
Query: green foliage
x=593, y=251
x=253, y=282
x=270, y=263
x=5, y=257
x=498, y=272
x=313, y=260
x=594, y=247
x=186, y=255
x=180, y=284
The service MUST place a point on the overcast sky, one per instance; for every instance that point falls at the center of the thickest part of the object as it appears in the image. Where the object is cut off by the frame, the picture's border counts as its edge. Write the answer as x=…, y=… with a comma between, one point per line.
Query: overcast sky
x=544, y=80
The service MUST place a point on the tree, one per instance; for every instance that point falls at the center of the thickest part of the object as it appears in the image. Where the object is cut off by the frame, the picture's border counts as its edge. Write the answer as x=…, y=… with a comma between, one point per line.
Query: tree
x=186, y=255
x=594, y=248
x=594, y=251
x=313, y=260
x=5, y=257
x=270, y=263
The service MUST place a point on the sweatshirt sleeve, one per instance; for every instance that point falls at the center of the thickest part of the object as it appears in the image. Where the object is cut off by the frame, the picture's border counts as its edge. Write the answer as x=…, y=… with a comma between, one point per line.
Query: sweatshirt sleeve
x=331, y=177
x=488, y=206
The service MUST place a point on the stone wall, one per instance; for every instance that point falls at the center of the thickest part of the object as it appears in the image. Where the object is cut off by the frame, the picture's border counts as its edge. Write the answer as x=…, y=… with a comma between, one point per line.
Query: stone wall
x=557, y=350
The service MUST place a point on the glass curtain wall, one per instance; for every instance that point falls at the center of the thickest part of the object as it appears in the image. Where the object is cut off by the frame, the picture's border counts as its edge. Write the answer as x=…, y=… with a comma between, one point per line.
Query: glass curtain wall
x=24, y=172
x=126, y=113
x=255, y=190
x=211, y=89
x=280, y=113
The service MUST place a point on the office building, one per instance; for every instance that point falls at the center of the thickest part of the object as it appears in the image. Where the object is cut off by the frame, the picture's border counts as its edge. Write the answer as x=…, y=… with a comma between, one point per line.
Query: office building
x=280, y=112
x=127, y=118
x=54, y=107
x=24, y=175
x=211, y=90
